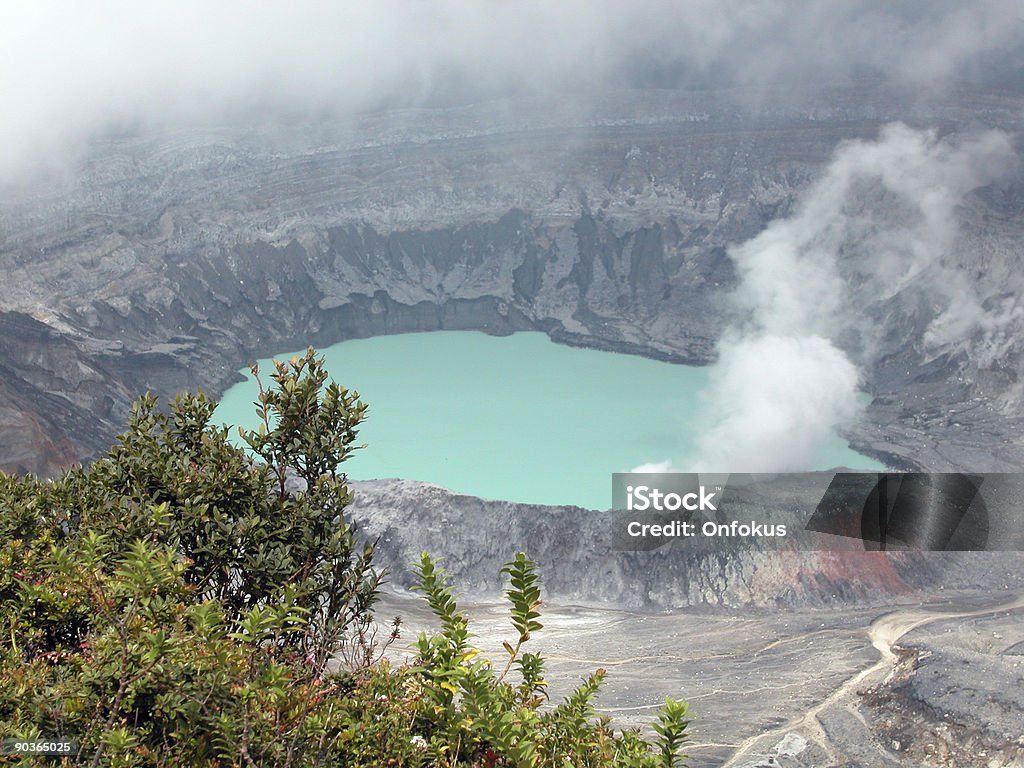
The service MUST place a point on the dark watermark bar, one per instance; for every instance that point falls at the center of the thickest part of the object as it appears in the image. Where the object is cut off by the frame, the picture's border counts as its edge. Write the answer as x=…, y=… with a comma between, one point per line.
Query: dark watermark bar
x=874, y=511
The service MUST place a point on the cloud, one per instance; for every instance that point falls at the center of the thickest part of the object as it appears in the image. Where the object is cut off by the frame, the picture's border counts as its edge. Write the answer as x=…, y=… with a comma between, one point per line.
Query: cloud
x=881, y=220
x=76, y=71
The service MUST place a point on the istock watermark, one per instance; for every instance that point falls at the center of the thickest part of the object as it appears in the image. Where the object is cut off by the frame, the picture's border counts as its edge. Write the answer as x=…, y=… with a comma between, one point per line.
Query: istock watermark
x=641, y=498
x=819, y=510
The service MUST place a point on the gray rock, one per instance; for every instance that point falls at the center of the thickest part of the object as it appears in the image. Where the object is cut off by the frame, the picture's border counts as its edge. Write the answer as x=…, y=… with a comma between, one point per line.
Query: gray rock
x=574, y=551
x=172, y=261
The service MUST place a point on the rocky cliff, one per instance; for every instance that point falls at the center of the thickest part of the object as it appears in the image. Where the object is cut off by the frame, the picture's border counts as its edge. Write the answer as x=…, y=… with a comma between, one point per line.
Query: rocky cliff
x=170, y=261
x=578, y=563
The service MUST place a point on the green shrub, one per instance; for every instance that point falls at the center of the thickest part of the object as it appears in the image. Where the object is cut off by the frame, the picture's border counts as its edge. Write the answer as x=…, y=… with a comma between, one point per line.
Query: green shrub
x=178, y=604
x=174, y=604
x=477, y=717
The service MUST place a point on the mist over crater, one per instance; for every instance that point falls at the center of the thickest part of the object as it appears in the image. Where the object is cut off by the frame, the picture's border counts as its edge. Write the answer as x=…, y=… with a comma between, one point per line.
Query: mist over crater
x=677, y=225
x=820, y=204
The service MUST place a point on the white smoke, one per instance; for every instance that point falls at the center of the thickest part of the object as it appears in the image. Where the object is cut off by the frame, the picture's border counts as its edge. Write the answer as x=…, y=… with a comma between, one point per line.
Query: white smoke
x=657, y=467
x=880, y=220
x=775, y=400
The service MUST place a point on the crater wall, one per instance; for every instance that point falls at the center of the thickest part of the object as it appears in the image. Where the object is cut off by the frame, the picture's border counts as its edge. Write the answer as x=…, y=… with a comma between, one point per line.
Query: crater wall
x=168, y=262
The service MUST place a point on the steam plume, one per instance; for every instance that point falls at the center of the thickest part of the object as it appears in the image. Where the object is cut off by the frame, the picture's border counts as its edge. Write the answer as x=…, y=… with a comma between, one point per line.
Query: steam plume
x=880, y=220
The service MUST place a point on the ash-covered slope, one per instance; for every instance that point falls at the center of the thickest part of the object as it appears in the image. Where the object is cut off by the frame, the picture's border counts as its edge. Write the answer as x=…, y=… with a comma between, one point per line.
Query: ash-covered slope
x=954, y=693
x=578, y=564
x=173, y=260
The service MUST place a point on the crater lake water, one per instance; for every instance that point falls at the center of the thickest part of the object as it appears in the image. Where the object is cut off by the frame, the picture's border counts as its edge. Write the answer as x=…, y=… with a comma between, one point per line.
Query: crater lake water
x=516, y=417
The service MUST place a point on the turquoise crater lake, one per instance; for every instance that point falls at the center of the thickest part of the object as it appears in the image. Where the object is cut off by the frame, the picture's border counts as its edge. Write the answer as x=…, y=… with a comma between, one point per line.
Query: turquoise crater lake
x=515, y=417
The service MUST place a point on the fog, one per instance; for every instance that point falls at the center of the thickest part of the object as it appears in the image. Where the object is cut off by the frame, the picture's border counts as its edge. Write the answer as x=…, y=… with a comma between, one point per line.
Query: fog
x=75, y=72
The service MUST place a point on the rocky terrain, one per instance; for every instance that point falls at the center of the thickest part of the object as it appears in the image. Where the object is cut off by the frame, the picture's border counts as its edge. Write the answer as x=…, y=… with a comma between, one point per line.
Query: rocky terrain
x=790, y=659
x=171, y=260
x=577, y=557
x=932, y=709
x=931, y=682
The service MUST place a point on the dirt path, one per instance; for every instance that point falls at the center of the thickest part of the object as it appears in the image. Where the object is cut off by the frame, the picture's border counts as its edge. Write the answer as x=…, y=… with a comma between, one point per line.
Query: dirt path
x=883, y=633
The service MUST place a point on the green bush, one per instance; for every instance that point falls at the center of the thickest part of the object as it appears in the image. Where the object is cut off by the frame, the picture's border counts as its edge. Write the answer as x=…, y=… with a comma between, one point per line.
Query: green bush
x=476, y=717
x=185, y=602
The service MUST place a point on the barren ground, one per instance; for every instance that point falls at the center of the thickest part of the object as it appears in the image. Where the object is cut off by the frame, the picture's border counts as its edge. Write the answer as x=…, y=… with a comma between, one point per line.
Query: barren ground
x=809, y=687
